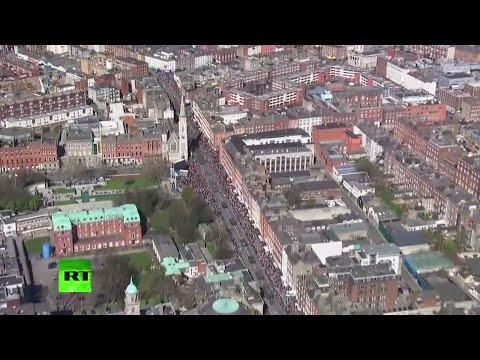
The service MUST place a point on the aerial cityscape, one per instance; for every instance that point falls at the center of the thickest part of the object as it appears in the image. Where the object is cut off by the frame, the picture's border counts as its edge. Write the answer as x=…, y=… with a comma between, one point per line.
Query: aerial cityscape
x=239, y=179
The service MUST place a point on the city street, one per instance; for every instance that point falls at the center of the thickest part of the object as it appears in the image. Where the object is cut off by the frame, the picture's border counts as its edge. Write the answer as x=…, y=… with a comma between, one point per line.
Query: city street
x=246, y=251
x=243, y=242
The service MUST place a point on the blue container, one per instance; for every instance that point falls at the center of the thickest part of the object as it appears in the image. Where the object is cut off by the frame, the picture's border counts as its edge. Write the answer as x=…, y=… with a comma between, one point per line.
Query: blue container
x=46, y=251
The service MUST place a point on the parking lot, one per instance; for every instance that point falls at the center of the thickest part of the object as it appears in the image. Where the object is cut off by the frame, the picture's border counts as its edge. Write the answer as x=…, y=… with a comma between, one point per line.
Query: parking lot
x=47, y=278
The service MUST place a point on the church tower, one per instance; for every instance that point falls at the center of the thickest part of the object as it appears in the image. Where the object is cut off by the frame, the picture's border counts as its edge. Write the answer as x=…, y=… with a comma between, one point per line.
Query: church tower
x=182, y=130
x=132, y=299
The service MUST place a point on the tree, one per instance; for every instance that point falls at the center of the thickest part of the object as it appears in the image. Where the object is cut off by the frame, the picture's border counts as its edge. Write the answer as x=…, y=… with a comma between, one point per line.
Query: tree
x=177, y=214
x=14, y=197
x=186, y=233
x=370, y=168
x=223, y=251
x=200, y=212
x=155, y=284
x=113, y=278
x=187, y=195
x=104, y=171
x=155, y=169
x=146, y=200
x=159, y=221
x=75, y=172
x=217, y=233
x=292, y=195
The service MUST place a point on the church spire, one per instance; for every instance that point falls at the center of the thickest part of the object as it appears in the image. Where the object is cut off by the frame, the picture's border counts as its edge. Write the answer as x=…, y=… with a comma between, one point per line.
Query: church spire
x=182, y=108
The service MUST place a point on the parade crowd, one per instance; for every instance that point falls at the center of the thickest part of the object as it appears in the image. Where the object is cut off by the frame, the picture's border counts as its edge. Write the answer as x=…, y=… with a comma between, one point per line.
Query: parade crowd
x=199, y=183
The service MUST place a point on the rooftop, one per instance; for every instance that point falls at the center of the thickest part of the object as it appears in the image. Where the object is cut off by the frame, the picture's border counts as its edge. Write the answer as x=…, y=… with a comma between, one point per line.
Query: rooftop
x=430, y=261
x=64, y=221
x=277, y=133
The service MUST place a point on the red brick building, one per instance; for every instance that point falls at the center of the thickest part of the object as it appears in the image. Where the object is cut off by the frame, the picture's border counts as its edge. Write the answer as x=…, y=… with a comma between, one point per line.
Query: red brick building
x=418, y=182
x=225, y=56
x=122, y=51
x=19, y=67
x=452, y=98
x=265, y=102
x=131, y=68
x=130, y=149
x=266, y=50
x=468, y=177
x=37, y=155
x=338, y=117
x=374, y=286
x=472, y=89
x=368, y=113
x=360, y=96
x=410, y=135
x=97, y=229
x=468, y=52
x=391, y=113
x=322, y=189
x=42, y=104
x=429, y=113
x=81, y=84
x=353, y=142
x=433, y=51
x=382, y=64
x=328, y=132
x=265, y=124
x=471, y=109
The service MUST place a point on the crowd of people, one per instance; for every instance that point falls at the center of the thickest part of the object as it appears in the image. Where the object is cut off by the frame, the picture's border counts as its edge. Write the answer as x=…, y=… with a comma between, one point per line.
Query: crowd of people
x=198, y=181
x=200, y=184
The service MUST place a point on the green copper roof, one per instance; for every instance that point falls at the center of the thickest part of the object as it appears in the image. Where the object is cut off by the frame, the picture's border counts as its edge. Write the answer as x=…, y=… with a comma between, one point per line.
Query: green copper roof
x=214, y=278
x=225, y=306
x=64, y=220
x=131, y=288
x=172, y=267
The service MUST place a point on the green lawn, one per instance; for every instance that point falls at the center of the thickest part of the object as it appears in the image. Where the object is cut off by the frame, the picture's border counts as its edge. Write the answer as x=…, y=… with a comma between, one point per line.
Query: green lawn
x=211, y=248
x=120, y=184
x=140, y=260
x=34, y=246
x=64, y=191
x=106, y=197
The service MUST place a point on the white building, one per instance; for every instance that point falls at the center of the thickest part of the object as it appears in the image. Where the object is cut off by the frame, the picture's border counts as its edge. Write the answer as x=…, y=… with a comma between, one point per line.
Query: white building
x=306, y=124
x=327, y=249
x=168, y=113
x=202, y=121
x=372, y=148
x=111, y=128
x=108, y=93
x=401, y=76
x=231, y=115
x=343, y=72
x=8, y=226
x=358, y=184
x=51, y=118
x=277, y=137
x=96, y=48
x=363, y=60
x=59, y=49
x=381, y=253
x=203, y=60
x=162, y=61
